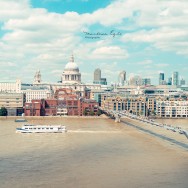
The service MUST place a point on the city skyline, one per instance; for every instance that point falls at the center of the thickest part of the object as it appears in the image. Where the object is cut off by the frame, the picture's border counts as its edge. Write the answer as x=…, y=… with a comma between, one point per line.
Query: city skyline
x=143, y=38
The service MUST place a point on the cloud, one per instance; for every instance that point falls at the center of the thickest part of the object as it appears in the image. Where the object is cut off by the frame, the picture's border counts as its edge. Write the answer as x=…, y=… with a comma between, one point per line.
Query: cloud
x=14, y=9
x=110, y=52
x=167, y=28
x=31, y=37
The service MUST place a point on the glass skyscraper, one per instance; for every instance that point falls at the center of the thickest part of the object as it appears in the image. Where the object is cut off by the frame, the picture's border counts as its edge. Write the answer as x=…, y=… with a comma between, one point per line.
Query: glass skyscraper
x=161, y=78
x=175, y=78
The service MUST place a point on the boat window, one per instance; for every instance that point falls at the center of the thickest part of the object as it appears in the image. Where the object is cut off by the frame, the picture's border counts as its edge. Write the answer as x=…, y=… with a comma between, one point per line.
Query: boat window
x=51, y=128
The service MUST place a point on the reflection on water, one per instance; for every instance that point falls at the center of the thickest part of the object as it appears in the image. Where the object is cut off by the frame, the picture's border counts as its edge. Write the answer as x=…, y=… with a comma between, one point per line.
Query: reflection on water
x=94, y=153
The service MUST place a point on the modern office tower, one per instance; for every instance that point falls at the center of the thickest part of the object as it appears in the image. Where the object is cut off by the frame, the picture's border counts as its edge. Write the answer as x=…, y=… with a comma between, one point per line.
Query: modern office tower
x=146, y=81
x=98, y=79
x=161, y=78
x=169, y=81
x=97, y=74
x=135, y=80
x=122, y=78
x=182, y=82
x=175, y=78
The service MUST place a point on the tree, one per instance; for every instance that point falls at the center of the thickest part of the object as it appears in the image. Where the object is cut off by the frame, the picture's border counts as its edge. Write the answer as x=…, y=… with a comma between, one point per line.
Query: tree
x=3, y=111
x=85, y=112
x=91, y=113
x=99, y=112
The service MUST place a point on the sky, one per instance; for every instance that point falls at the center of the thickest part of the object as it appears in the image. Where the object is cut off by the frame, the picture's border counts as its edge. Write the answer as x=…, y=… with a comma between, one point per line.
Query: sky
x=141, y=37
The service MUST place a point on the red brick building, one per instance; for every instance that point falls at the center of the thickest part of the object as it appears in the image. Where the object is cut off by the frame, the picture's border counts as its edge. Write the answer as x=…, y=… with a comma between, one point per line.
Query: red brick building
x=74, y=105
x=65, y=102
x=88, y=107
x=41, y=107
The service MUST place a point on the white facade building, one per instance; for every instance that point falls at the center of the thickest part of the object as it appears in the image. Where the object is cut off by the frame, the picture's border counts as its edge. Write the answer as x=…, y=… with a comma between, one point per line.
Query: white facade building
x=11, y=87
x=36, y=94
x=172, y=109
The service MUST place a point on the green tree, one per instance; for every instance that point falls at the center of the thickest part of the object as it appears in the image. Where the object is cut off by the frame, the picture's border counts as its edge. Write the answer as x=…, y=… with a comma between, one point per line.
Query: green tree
x=91, y=113
x=3, y=111
x=85, y=112
x=99, y=112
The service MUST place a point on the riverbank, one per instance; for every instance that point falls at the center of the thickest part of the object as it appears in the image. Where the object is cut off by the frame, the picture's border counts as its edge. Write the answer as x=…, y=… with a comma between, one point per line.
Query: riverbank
x=103, y=116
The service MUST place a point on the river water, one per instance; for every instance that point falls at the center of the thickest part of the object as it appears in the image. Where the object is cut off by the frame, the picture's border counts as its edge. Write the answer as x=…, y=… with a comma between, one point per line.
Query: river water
x=183, y=123
x=94, y=153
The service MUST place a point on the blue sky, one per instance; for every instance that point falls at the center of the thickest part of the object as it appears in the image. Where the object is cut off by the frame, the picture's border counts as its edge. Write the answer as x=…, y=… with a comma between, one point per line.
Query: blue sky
x=62, y=6
x=150, y=37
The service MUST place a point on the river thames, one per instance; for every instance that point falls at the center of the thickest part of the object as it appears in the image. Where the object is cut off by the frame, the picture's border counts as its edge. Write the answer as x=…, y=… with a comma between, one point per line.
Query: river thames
x=94, y=153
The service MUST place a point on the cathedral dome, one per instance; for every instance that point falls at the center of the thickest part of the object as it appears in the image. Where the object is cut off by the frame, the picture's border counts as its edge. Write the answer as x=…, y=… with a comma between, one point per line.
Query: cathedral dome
x=71, y=66
x=71, y=73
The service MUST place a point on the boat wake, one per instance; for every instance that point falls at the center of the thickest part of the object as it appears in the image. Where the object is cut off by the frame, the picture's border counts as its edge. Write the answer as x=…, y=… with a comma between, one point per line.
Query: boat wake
x=95, y=132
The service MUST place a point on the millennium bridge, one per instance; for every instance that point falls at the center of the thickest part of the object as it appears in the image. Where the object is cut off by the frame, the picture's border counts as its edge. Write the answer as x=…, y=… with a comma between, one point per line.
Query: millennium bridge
x=117, y=115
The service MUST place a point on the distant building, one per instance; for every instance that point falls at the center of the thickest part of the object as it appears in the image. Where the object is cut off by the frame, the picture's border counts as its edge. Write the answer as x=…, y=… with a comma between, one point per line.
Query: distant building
x=169, y=81
x=172, y=107
x=161, y=79
x=70, y=103
x=36, y=93
x=71, y=74
x=135, y=80
x=96, y=95
x=133, y=104
x=98, y=79
x=37, y=78
x=13, y=102
x=122, y=78
x=65, y=103
x=175, y=78
x=97, y=74
x=41, y=107
x=182, y=82
x=146, y=81
x=11, y=87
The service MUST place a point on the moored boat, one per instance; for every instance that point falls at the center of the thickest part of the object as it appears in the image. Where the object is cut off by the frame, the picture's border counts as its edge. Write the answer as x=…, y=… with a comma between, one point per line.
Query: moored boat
x=41, y=129
x=20, y=120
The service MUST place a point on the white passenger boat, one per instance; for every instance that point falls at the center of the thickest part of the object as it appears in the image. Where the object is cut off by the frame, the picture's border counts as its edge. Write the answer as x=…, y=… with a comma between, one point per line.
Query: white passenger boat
x=41, y=129
x=20, y=120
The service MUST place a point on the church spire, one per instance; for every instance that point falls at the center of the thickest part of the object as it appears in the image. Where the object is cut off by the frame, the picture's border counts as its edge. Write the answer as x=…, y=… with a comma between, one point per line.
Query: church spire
x=37, y=77
x=72, y=58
